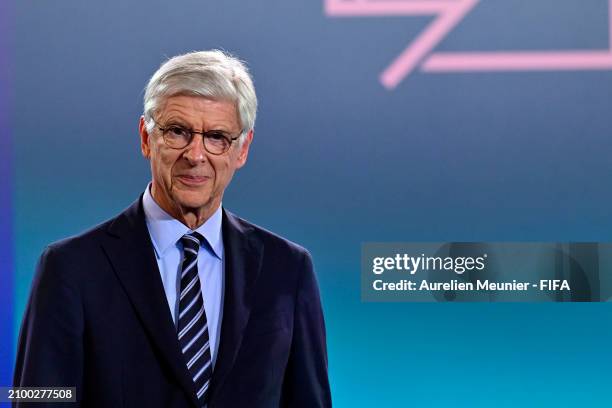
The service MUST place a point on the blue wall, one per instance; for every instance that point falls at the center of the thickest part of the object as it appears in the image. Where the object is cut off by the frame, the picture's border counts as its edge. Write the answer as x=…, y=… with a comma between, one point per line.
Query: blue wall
x=338, y=160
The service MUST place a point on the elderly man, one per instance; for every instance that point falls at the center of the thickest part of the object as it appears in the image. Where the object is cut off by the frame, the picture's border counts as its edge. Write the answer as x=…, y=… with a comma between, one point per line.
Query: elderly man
x=176, y=302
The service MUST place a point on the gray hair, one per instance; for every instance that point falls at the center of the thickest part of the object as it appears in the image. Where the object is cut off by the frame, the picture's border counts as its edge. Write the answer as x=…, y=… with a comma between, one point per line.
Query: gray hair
x=210, y=74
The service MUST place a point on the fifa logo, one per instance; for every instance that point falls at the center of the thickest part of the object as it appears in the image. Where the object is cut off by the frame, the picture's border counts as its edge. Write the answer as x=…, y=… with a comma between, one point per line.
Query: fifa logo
x=420, y=54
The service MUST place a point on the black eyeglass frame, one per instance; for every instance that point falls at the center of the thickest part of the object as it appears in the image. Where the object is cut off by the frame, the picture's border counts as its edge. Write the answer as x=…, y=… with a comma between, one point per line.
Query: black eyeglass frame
x=230, y=140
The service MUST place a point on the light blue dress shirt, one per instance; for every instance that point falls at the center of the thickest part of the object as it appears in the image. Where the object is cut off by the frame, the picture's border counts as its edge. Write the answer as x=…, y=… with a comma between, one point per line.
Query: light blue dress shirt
x=166, y=232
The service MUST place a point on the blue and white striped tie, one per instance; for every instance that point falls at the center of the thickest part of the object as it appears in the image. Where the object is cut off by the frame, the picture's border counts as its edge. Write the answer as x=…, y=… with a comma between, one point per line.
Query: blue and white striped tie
x=192, y=325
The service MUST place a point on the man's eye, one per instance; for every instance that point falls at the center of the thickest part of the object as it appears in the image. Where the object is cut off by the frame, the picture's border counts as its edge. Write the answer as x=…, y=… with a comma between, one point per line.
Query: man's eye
x=216, y=136
x=177, y=131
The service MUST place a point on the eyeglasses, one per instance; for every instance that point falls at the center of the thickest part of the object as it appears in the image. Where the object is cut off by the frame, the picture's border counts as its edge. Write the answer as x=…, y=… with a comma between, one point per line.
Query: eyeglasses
x=216, y=142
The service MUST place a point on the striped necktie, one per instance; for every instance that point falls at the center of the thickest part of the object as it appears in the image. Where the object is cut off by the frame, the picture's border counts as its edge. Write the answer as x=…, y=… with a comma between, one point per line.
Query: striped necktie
x=192, y=324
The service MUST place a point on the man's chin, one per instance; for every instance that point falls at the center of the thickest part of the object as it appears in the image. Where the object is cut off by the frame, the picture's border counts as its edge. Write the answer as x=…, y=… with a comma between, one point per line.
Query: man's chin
x=193, y=202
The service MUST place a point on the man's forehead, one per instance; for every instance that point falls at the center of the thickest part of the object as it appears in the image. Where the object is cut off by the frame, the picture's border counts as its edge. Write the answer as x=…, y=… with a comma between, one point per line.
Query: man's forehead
x=198, y=108
x=197, y=101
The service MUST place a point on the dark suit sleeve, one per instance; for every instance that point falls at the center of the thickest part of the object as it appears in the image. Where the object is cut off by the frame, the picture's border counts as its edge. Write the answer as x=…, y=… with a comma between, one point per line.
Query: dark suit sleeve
x=50, y=350
x=306, y=381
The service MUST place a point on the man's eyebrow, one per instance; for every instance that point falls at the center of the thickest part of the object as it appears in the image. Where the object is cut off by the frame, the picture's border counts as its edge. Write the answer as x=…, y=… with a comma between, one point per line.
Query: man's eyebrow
x=217, y=130
x=176, y=121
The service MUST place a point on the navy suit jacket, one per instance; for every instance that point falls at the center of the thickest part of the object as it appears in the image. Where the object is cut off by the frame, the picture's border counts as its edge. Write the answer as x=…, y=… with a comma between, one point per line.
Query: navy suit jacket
x=98, y=319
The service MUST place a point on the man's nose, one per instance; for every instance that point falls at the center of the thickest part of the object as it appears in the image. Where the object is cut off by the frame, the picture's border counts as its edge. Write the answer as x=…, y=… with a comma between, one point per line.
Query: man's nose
x=195, y=152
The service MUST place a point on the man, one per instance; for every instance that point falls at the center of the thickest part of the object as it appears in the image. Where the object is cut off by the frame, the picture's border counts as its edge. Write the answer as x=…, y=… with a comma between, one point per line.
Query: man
x=176, y=302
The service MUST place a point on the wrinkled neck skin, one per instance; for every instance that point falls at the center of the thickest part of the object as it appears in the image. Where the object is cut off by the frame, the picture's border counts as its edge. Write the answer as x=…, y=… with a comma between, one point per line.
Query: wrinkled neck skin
x=191, y=217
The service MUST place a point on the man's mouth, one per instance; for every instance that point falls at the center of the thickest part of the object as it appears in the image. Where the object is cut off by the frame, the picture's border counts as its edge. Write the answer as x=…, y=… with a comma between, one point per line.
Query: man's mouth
x=192, y=180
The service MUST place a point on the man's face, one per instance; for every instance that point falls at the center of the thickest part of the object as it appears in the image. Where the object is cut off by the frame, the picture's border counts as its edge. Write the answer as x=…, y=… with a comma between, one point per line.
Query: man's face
x=191, y=179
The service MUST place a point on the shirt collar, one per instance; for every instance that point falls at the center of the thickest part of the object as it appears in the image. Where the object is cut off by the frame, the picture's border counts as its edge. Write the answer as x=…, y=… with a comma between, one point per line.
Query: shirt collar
x=166, y=230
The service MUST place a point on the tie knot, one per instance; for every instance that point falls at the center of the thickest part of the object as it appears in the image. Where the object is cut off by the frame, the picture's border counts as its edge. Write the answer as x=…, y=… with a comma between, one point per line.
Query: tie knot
x=192, y=241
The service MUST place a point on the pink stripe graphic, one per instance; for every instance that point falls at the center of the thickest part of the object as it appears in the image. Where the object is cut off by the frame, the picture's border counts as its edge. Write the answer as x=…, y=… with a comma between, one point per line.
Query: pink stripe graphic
x=518, y=61
x=449, y=14
x=340, y=8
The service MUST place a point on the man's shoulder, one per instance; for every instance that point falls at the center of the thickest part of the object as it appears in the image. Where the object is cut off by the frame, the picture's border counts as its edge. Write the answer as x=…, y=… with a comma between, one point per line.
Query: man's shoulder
x=74, y=259
x=273, y=243
x=83, y=243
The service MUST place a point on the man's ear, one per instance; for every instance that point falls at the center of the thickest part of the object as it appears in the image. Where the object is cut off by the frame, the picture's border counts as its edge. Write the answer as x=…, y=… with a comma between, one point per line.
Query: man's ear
x=244, y=149
x=145, y=139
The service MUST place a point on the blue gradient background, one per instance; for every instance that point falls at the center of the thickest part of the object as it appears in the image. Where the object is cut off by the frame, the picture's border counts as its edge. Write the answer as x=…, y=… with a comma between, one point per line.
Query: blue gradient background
x=338, y=160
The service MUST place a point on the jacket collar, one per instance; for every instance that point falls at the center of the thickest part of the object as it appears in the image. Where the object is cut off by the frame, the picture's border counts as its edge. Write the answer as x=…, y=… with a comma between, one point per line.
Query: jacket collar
x=132, y=256
x=243, y=257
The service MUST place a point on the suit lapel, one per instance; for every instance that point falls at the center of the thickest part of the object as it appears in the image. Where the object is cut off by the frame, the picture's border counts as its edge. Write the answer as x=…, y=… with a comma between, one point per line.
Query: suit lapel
x=131, y=253
x=243, y=255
